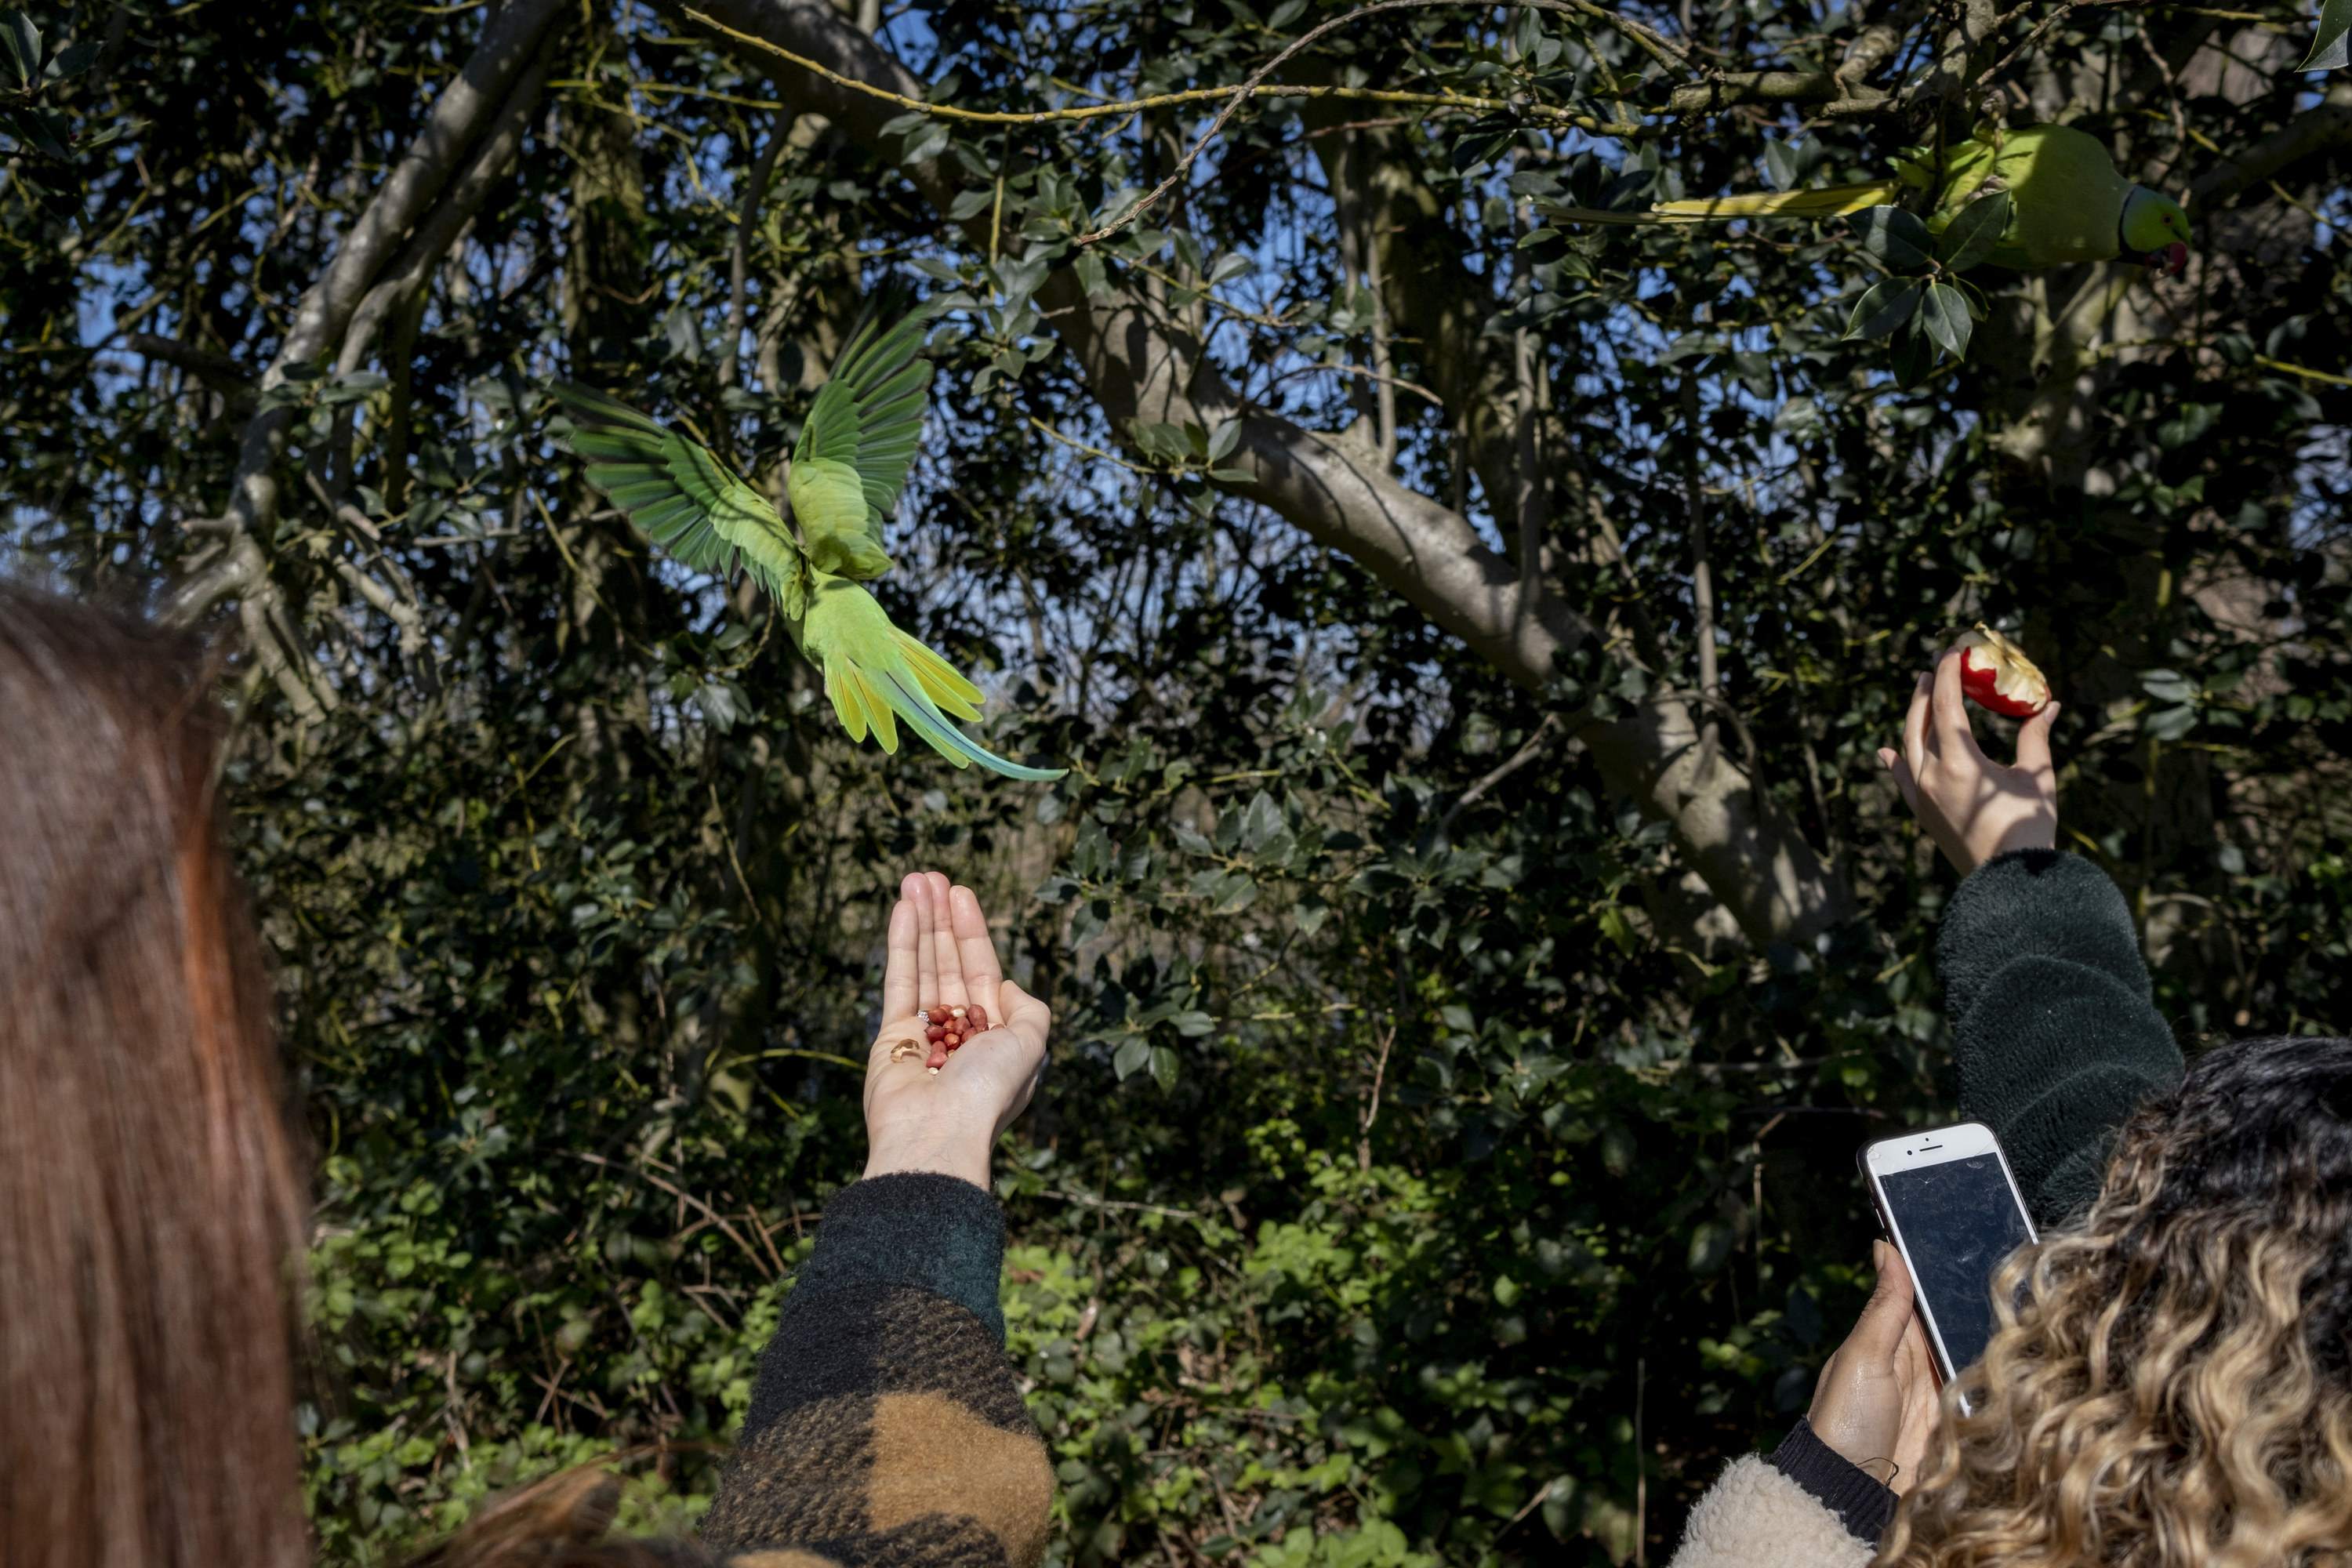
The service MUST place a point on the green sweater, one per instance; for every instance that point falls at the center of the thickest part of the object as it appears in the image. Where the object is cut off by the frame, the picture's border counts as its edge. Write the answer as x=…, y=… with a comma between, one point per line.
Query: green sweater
x=2055, y=1033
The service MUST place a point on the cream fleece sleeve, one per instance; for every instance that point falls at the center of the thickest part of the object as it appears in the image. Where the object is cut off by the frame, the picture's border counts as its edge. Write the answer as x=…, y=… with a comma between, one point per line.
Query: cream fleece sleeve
x=1755, y=1517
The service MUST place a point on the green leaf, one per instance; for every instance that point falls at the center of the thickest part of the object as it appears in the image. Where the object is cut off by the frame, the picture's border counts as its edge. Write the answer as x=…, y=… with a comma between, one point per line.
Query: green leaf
x=1166, y=1065
x=1093, y=275
x=2331, y=46
x=926, y=144
x=969, y=205
x=1228, y=435
x=1976, y=228
x=1945, y=315
x=20, y=46
x=1913, y=357
x=1897, y=237
x=1260, y=822
x=72, y=62
x=1133, y=1052
x=1886, y=306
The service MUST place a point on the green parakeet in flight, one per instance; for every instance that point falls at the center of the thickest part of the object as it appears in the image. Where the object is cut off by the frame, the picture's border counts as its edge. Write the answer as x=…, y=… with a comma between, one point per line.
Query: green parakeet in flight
x=2067, y=201
x=847, y=472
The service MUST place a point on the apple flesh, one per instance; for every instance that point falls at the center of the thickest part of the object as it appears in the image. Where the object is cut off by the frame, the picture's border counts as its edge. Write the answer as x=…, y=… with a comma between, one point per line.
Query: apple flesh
x=1996, y=674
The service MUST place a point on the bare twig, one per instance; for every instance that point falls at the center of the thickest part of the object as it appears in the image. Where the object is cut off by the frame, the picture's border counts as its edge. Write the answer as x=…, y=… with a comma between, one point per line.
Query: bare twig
x=1528, y=752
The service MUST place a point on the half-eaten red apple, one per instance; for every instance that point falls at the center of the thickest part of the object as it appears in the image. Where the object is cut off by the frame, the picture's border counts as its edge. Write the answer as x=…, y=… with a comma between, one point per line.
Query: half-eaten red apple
x=1996, y=674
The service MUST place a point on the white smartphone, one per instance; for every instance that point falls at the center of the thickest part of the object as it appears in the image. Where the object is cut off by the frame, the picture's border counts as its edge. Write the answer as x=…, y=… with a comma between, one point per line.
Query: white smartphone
x=1947, y=1200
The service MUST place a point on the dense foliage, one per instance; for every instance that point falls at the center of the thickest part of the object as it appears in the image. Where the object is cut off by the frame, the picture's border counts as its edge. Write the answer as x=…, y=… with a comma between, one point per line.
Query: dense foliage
x=1429, y=1168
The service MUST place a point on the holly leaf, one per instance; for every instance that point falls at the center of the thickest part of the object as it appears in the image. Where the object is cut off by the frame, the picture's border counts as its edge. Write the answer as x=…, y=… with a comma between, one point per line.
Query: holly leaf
x=1976, y=228
x=2331, y=46
x=1897, y=237
x=1889, y=304
x=1945, y=315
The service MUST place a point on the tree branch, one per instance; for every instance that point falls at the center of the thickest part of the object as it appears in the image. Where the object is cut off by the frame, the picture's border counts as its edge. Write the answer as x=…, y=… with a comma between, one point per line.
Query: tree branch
x=454, y=123
x=1140, y=365
x=450, y=215
x=2314, y=130
x=218, y=371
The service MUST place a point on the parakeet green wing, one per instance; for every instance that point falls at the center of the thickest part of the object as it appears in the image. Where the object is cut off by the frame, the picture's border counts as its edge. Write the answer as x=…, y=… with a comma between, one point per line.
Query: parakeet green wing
x=852, y=458
x=686, y=500
x=877, y=674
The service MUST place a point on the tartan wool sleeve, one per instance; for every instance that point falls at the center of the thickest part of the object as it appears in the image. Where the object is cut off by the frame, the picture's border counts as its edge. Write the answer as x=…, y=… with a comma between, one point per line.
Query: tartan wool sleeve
x=885, y=1428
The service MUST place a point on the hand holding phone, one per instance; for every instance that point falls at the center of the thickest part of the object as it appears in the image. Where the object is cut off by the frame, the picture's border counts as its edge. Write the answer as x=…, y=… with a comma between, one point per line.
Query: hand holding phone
x=1876, y=1402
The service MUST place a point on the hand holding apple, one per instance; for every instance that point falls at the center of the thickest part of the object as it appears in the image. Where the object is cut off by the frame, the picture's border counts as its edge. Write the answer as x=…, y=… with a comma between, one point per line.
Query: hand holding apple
x=1973, y=807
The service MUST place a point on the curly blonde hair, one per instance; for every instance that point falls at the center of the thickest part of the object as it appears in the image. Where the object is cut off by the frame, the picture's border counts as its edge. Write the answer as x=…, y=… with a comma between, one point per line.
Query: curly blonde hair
x=2169, y=1384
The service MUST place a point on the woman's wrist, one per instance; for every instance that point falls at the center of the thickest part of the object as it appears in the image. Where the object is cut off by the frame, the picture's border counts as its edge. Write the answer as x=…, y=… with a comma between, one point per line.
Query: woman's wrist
x=949, y=1150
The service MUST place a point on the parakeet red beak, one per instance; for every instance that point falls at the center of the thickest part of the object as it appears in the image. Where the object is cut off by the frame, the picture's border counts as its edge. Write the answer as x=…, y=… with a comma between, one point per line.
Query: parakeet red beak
x=2169, y=259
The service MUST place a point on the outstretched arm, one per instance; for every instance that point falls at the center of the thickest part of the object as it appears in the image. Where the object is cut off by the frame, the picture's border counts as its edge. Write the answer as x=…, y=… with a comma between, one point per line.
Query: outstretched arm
x=886, y=1424
x=2055, y=1033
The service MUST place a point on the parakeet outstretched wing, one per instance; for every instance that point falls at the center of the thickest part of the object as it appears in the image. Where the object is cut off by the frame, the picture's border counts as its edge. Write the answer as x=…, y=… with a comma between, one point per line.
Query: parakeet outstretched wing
x=876, y=674
x=689, y=502
x=851, y=462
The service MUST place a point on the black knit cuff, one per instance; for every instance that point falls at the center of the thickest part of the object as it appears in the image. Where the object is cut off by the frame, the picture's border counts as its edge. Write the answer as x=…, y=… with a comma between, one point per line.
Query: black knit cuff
x=1862, y=1505
x=936, y=1233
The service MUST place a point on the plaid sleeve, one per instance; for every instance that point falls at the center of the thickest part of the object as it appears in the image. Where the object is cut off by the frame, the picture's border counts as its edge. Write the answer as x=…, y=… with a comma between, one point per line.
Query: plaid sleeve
x=885, y=1429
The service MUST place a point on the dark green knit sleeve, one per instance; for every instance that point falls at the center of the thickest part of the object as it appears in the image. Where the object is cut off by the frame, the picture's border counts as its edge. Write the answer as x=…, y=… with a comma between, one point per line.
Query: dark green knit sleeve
x=2055, y=1033
x=887, y=1429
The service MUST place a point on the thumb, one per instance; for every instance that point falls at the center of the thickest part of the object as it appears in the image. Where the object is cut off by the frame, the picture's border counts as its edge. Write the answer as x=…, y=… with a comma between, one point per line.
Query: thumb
x=2033, y=741
x=1887, y=1314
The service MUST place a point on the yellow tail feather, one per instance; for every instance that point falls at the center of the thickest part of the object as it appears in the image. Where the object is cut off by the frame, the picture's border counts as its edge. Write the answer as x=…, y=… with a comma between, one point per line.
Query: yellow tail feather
x=877, y=712
x=1837, y=201
x=846, y=705
x=940, y=680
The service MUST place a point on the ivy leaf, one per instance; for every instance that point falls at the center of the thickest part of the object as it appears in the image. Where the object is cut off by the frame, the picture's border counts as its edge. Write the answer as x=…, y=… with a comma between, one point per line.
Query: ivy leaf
x=1897, y=237
x=2331, y=46
x=1889, y=304
x=1979, y=228
x=1945, y=314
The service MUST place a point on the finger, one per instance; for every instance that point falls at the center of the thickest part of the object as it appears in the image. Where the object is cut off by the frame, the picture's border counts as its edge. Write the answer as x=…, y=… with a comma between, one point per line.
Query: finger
x=953, y=991
x=1915, y=724
x=1951, y=732
x=1906, y=781
x=1024, y=1015
x=2034, y=743
x=917, y=890
x=1878, y=1333
x=900, y=996
x=975, y=948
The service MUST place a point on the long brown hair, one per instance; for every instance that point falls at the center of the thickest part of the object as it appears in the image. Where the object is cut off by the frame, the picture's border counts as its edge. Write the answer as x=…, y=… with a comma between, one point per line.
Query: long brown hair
x=150, y=1196
x=2170, y=1385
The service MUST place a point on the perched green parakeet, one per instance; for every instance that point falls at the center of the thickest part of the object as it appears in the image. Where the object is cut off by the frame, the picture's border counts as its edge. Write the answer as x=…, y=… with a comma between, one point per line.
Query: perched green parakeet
x=847, y=472
x=2067, y=201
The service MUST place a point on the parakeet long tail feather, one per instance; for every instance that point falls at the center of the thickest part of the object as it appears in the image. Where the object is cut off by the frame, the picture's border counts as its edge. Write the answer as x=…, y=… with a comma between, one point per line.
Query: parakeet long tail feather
x=1835, y=201
x=946, y=739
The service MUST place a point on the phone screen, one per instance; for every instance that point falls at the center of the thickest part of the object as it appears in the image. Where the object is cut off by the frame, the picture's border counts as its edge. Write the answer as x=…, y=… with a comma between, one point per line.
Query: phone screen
x=1960, y=1219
